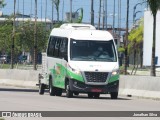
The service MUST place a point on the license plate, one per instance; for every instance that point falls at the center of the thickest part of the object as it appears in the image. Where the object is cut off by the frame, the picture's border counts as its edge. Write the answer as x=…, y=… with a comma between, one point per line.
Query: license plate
x=96, y=90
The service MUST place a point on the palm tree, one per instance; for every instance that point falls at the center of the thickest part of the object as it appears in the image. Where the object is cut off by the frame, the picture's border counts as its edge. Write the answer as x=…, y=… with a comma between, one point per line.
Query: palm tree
x=2, y=4
x=56, y=2
x=154, y=6
x=126, y=41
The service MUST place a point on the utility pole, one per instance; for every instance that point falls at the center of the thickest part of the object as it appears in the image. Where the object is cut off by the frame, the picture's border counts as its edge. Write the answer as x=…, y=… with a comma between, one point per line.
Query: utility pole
x=62, y=10
x=113, y=27
x=71, y=11
x=119, y=22
x=23, y=12
x=18, y=7
x=103, y=14
x=46, y=14
x=106, y=12
x=13, y=37
x=35, y=37
x=99, y=18
x=92, y=12
x=31, y=8
x=126, y=41
x=52, y=12
x=41, y=10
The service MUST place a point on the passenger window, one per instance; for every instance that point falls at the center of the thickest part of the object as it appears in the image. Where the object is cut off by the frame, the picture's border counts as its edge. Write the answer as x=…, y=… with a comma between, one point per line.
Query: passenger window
x=51, y=45
x=57, y=47
x=63, y=48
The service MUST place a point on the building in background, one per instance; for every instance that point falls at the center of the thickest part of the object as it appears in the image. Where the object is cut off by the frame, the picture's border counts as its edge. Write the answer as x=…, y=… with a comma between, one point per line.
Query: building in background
x=148, y=38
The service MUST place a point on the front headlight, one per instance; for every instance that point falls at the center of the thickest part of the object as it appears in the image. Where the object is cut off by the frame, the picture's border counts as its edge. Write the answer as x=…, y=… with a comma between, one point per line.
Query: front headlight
x=115, y=72
x=74, y=70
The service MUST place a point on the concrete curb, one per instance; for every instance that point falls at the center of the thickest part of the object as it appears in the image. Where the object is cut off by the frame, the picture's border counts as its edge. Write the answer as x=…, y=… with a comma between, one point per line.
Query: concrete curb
x=140, y=93
x=18, y=83
x=140, y=86
x=19, y=78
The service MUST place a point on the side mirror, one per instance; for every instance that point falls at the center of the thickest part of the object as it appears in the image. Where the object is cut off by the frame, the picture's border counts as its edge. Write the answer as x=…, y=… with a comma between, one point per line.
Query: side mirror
x=66, y=57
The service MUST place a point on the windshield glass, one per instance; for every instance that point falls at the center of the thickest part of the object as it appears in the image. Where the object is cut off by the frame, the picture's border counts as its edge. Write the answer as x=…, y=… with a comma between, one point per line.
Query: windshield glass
x=91, y=50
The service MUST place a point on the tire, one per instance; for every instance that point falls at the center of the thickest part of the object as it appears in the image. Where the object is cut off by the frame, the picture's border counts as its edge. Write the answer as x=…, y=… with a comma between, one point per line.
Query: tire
x=76, y=93
x=114, y=95
x=41, y=89
x=96, y=95
x=58, y=92
x=69, y=93
x=52, y=90
x=90, y=95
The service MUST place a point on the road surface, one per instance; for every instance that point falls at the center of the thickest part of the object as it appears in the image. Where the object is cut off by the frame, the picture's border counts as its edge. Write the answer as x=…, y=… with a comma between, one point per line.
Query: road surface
x=13, y=99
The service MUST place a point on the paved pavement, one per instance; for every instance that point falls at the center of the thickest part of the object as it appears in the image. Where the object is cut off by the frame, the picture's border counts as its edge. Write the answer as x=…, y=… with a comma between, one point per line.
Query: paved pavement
x=15, y=99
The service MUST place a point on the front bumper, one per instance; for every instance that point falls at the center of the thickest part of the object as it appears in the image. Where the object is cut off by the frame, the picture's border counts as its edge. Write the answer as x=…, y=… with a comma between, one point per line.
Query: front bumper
x=80, y=87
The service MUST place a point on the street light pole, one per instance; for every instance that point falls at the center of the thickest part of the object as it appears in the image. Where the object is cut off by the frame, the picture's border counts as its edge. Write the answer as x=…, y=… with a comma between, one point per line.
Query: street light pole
x=35, y=37
x=134, y=10
x=126, y=41
x=99, y=17
x=52, y=12
x=119, y=22
x=113, y=18
x=71, y=11
x=106, y=12
x=92, y=12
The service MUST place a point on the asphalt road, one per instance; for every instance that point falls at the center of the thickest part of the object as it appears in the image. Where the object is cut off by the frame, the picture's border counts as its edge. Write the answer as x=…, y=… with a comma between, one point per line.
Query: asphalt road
x=15, y=99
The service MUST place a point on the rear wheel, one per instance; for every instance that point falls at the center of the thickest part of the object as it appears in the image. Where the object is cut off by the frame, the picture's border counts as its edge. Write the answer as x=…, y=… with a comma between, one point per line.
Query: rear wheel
x=114, y=95
x=52, y=90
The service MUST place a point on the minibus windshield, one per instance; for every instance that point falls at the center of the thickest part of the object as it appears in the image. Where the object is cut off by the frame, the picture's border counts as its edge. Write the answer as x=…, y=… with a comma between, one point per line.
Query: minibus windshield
x=92, y=50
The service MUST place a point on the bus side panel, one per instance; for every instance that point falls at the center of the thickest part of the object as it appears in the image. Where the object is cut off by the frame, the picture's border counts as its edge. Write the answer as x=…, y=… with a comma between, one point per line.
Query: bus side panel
x=57, y=70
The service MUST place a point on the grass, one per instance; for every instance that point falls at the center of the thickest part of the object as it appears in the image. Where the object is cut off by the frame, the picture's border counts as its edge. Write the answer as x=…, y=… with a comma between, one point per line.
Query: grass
x=2, y=119
x=5, y=66
x=19, y=66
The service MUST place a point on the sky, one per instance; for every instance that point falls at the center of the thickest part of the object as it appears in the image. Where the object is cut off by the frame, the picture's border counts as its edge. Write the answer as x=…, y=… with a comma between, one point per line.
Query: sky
x=27, y=7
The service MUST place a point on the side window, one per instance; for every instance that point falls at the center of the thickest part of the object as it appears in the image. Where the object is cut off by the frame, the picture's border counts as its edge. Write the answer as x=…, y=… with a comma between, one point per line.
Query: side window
x=50, y=49
x=57, y=47
x=63, y=48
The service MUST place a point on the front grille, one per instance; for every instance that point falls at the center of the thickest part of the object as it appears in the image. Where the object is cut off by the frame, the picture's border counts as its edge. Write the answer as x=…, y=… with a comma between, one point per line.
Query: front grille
x=96, y=76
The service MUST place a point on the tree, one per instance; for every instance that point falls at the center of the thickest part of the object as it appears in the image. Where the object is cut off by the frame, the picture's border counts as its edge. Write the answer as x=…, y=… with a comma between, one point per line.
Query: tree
x=26, y=36
x=2, y=4
x=57, y=2
x=135, y=39
x=5, y=36
x=154, y=6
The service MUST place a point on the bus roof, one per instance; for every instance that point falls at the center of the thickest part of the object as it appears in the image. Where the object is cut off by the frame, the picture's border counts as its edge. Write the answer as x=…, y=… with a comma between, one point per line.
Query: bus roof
x=81, y=31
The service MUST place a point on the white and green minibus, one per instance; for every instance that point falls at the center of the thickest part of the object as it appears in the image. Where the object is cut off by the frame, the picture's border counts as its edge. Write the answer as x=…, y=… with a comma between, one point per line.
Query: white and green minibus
x=80, y=59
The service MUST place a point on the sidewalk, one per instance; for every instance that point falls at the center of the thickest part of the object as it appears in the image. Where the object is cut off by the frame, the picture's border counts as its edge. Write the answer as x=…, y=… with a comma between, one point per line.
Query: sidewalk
x=143, y=73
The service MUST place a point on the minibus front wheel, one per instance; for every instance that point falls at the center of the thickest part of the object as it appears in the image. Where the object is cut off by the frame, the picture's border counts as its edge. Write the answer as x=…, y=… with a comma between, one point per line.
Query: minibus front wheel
x=114, y=95
x=69, y=93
